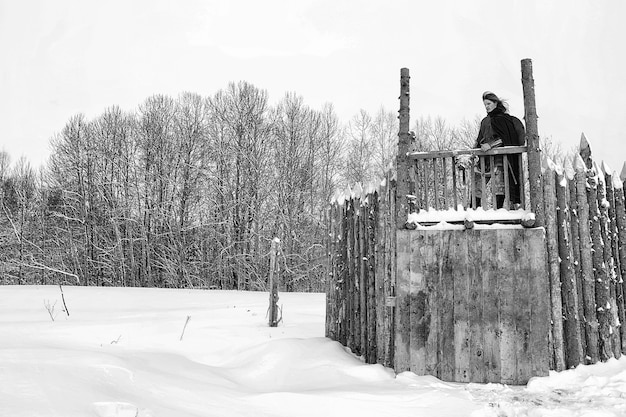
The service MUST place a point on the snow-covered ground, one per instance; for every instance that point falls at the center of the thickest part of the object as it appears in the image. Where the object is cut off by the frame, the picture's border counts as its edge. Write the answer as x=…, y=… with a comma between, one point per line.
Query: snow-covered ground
x=120, y=353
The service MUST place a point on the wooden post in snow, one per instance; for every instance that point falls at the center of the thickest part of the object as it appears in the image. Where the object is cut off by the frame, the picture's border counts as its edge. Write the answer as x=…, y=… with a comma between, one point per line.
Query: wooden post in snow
x=586, y=262
x=532, y=141
x=611, y=256
x=575, y=242
x=574, y=354
x=549, y=198
x=273, y=310
x=402, y=167
x=600, y=271
x=609, y=307
x=620, y=220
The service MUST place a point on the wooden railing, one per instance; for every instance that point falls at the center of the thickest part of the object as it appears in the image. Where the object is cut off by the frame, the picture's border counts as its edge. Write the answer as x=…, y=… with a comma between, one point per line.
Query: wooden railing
x=462, y=179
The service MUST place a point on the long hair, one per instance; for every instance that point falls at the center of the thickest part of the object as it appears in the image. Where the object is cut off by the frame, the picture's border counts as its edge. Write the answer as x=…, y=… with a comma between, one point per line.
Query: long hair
x=501, y=104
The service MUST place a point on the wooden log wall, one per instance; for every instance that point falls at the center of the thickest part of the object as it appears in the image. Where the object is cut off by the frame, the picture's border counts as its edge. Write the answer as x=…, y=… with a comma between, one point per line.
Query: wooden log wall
x=586, y=245
x=473, y=304
x=362, y=270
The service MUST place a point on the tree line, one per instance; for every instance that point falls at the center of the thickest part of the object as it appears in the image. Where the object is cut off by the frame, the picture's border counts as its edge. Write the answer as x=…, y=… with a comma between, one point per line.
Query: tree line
x=190, y=191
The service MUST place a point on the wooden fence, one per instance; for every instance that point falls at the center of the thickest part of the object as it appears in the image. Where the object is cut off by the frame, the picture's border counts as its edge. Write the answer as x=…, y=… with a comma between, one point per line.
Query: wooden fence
x=453, y=179
x=577, y=270
x=362, y=271
x=584, y=249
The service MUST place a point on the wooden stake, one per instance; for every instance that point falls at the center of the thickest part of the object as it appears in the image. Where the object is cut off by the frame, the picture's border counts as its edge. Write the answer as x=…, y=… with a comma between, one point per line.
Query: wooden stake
x=574, y=354
x=273, y=311
x=586, y=262
x=402, y=169
x=603, y=306
x=620, y=221
x=549, y=199
x=532, y=141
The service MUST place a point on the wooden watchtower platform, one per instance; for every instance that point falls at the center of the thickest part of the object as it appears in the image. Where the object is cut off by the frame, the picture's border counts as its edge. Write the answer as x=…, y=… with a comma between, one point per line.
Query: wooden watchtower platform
x=470, y=298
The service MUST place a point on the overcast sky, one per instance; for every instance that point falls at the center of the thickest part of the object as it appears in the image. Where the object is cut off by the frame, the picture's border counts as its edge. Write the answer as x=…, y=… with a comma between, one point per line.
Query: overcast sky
x=63, y=57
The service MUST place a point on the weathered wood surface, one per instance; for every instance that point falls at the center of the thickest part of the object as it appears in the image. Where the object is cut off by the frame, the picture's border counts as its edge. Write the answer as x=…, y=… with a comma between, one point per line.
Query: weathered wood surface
x=532, y=141
x=552, y=246
x=569, y=291
x=586, y=261
x=402, y=192
x=475, y=308
x=438, y=182
x=472, y=313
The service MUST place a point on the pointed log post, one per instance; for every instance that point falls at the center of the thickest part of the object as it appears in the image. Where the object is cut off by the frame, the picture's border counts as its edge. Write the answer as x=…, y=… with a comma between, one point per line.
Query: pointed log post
x=273, y=311
x=620, y=221
x=586, y=262
x=603, y=306
x=572, y=336
x=549, y=199
x=532, y=141
x=617, y=296
x=402, y=166
x=584, y=149
x=575, y=242
x=604, y=205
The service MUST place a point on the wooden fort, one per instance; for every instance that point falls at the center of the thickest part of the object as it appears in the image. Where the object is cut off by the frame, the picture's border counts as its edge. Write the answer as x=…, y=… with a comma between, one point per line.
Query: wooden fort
x=480, y=299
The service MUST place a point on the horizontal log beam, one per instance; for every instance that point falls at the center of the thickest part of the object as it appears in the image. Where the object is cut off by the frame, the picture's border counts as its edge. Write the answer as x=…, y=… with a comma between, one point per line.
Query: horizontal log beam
x=505, y=150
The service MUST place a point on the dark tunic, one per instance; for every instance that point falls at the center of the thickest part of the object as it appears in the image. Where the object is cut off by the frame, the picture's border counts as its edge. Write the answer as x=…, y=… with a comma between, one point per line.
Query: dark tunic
x=499, y=125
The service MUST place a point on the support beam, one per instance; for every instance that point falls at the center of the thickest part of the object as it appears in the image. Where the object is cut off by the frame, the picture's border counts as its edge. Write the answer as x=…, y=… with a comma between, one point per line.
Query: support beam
x=532, y=142
x=402, y=169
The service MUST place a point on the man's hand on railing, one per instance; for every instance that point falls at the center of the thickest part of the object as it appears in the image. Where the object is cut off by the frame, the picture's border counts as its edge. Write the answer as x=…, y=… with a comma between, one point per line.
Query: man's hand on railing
x=485, y=147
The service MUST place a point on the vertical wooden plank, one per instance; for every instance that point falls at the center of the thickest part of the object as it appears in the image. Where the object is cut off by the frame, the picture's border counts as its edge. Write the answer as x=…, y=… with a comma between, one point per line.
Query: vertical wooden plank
x=371, y=290
x=436, y=184
x=605, y=203
x=391, y=276
x=539, y=303
x=379, y=262
x=576, y=262
x=350, y=283
x=620, y=220
x=363, y=272
x=475, y=307
x=461, y=282
x=472, y=180
x=573, y=340
x=446, y=314
x=521, y=180
x=420, y=319
x=356, y=261
x=404, y=143
x=446, y=189
x=523, y=308
x=403, y=314
x=589, y=301
x=433, y=285
x=616, y=286
x=532, y=142
x=454, y=185
x=426, y=171
x=343, y=280
x=491, y=305
x=483, y=181
x=507, y=271
x=600, y=270
x=419, y=185
x=507, y=189
x=549, y=198
x=494, y=181
x=332, y=273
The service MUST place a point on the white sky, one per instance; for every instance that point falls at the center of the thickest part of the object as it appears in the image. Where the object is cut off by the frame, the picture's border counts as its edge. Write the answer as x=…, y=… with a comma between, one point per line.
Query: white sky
x=62, y=57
